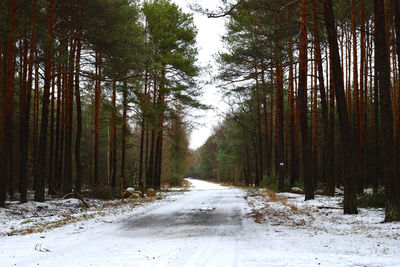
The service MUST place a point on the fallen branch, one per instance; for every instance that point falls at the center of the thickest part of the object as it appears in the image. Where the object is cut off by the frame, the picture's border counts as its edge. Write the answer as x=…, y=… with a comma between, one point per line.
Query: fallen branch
x=81, y=199
x=78, y=196
x=327, y=207
x=38, y=247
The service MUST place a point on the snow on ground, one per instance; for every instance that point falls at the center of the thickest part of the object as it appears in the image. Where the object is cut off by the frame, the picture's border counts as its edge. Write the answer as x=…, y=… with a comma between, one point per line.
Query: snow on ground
x=212, y=225
x=20, y=219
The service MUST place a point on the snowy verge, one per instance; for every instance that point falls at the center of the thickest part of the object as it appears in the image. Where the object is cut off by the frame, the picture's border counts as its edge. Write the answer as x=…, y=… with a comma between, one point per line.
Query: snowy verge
x=323, y=213
x=36, y=217
x=323, y=217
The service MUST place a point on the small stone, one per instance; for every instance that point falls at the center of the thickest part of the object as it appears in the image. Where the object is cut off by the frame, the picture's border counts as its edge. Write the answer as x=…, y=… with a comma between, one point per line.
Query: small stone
x=297, y=190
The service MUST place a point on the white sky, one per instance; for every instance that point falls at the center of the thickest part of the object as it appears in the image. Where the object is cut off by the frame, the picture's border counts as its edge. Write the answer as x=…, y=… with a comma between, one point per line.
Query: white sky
x=209, y=43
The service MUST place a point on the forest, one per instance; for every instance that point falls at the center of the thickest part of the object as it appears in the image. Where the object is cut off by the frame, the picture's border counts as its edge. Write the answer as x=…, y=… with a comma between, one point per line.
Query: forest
x=93, y=95
x=313, y=90
x=99, y=114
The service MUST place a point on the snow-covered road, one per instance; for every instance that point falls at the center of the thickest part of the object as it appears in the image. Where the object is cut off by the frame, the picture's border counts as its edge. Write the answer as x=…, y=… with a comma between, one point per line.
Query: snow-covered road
x=208, y=226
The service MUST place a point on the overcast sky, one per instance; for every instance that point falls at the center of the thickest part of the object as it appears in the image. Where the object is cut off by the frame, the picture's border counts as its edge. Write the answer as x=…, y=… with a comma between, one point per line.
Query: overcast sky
x=209, y=43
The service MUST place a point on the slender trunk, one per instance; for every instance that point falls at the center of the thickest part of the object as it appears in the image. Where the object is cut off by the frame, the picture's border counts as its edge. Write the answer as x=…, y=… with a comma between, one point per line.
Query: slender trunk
x=265, y=121
x=142, y=126
x=160, y=131
x=376, y=132
x=123, y=137
x=331, y=170
x=22, y=98
x=392, y=205
x=396, y=12
x=247, y=174
x=356, y=100
x=259, y=136
x=35, y=119
x=150, y=171
x=97, y=98
x=279, y=125
x=113, y=148
x=350, y=206
x=3, y=188
x=78, y=165
x=294, y=167
x=51, y=149
x=24, y=125
x=67, y=181
x=302, y=92
x=7, y=107
x=326, y=157
x=41, y=167
x=58, y=144
x=363, y=95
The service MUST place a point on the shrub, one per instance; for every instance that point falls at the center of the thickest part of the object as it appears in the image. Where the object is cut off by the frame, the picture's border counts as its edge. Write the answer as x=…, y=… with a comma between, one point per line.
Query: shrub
x=104, y=192
x=371, y=200
x=270, y=181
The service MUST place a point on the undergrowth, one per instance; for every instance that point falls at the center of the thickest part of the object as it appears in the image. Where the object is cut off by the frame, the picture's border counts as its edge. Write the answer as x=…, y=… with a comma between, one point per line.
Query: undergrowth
x=104, y=192
x=371, y=200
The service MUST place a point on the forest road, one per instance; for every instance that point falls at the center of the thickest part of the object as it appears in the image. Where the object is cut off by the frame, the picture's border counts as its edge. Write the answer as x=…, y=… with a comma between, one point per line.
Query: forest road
x=202, y=228
x=209, y=225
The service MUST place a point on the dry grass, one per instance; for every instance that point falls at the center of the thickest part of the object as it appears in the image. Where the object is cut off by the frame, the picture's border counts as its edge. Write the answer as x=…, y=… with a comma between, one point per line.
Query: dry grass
x=269, y=213
x=273, y=197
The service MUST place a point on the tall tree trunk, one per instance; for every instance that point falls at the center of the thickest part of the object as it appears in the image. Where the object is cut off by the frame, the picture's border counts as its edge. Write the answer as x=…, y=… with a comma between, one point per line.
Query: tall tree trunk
x=7, y=108
x=113, y=136
x=78, y=164
x=247, y=174
x=58, y=141
x=331, y=170
x=326, y=157
x=356, y=102
x=97, y=98
x=123, y=137
x=392, y=194
x=150, y=170
x=69, y=101
x=24, y=125
x=259, y=136
x=41, y=167
x=160, y=132
x=142, y=126
x=350, y=205
x=302, y=92
x=396, y=12
x=294, y=167
x=279, y=125
x=363, y=95
x=22, y=96
x=51, y=148
x=265, y=122
x=3, y=188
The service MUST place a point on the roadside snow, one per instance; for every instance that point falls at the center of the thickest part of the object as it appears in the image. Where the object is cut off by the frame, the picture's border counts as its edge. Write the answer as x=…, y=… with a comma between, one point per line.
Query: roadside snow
x=212, y=225
x=20, y=219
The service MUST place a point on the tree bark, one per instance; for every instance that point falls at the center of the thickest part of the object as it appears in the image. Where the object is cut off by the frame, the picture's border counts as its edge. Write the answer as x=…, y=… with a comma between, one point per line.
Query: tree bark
x=302, y=95
x=123, y=137
x=78, y=164
x=350, y=205
x=41, y=167
x=67, y=181
x=113, y=137
x=26, y=104
x=392, y=204
x=97, y=100
x=7, y=108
